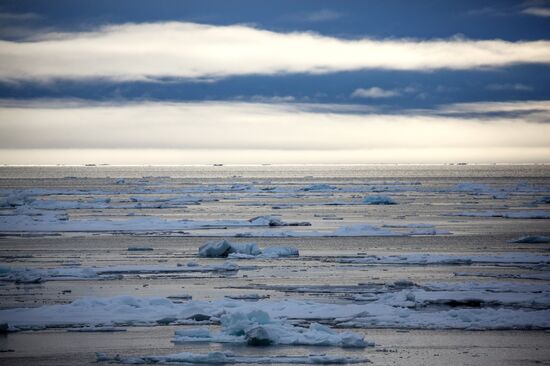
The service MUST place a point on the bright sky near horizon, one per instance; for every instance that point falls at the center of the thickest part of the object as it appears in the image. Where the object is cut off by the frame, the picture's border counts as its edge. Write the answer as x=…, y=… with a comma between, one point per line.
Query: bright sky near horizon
x=202, y=82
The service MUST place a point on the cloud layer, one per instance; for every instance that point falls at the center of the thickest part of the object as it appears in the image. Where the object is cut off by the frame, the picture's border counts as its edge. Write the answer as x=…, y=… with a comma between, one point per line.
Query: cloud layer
x=263, y=132
x=187, y=50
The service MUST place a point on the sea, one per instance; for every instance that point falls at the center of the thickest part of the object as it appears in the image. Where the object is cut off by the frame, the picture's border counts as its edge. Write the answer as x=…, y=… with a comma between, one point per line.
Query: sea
x=320, y=264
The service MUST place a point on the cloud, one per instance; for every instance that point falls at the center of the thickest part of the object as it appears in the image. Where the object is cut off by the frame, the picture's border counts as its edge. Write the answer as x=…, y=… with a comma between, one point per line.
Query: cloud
x=259, y=132
x=537, y=11
x=153, y=51
x=374, y=92
x=514, y=87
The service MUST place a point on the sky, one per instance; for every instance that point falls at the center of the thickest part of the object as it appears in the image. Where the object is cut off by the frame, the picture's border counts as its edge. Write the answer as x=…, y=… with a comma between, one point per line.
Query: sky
x=280, y=82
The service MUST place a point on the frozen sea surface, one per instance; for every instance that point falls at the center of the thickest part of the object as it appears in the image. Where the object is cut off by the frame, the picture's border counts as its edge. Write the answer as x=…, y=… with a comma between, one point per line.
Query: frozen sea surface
x=429, y=263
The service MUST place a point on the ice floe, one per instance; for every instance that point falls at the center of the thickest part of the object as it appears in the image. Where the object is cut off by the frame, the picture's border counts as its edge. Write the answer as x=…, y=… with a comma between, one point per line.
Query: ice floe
x=390, y=310
x=512, y=258
x=60, y=222
x=38, y=275
x=351, y=230
x=255, y=327
x=419, y=298
x=229, y=358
